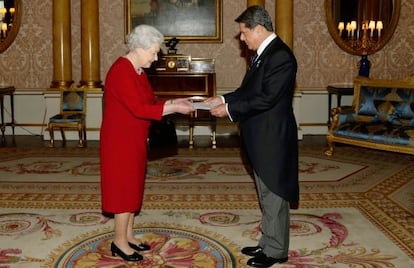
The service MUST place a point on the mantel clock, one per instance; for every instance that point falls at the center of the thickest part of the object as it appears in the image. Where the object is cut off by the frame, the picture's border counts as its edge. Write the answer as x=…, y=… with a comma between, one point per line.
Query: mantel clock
x=174, y=63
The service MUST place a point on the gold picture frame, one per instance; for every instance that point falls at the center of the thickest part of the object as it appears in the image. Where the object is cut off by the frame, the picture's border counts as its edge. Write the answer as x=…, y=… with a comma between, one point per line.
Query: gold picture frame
x=190, y=21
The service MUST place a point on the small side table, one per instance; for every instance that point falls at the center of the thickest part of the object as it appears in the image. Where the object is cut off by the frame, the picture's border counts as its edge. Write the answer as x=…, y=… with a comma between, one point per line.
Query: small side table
x=6, y=90
x=201, y=118
x=339, y=90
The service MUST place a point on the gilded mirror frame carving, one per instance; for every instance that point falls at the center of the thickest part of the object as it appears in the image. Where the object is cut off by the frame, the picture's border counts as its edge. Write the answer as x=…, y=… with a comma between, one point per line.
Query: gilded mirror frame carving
x=12, y=32
x=385, y=37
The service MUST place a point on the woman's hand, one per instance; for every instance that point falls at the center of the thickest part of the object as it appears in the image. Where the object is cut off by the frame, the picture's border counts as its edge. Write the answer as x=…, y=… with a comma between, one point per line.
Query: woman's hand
x=179, y=105
x=183, y=106
x=180, y=100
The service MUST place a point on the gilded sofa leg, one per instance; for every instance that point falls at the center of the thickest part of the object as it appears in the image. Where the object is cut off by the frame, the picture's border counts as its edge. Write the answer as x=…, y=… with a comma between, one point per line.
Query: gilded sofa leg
x=331, y=146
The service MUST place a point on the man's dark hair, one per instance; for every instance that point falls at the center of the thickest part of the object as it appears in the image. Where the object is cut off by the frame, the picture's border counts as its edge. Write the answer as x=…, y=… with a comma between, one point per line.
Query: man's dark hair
x=256, y=15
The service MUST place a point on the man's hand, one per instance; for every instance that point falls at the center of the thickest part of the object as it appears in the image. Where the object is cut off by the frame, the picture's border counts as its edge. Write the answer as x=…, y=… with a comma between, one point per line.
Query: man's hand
x=213, y=101
x=219, y=110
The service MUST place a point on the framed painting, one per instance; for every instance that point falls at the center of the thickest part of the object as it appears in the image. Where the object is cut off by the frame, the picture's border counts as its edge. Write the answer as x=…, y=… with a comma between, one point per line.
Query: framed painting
x=190, y=21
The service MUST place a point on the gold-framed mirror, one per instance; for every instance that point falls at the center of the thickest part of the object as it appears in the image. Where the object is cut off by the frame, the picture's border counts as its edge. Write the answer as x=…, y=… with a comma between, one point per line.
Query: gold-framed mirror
x=362, y=27
x=10, y=17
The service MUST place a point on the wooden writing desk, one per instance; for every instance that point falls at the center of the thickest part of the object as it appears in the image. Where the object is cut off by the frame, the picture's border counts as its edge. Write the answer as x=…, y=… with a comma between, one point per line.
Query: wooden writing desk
x=187, y=84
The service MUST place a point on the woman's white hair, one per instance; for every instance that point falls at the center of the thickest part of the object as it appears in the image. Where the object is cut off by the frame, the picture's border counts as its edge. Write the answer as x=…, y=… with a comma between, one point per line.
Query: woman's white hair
x=144, y=36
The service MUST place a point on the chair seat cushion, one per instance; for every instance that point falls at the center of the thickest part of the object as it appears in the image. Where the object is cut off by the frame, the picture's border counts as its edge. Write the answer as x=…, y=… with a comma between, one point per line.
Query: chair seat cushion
x=377, y=132
x=60, y=118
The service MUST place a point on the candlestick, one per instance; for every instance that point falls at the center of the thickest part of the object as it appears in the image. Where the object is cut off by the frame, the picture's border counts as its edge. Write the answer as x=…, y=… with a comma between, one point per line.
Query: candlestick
x=341, y=27
x=4, y=28
x=371, y=26
x=353, y=27
x=3, y=11
x=379, y=28
x=348, y=28
x=1, y=7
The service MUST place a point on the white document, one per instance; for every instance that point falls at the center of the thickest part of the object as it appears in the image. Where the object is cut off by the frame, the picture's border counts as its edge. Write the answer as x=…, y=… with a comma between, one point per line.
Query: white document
x=201, y=106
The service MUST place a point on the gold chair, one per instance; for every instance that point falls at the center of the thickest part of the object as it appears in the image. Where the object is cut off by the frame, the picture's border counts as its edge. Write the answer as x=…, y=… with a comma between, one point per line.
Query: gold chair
x=72, y=115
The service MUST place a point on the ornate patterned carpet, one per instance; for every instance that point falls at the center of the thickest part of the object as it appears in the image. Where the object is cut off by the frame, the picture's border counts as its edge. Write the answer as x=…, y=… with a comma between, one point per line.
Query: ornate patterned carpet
x=200, y=208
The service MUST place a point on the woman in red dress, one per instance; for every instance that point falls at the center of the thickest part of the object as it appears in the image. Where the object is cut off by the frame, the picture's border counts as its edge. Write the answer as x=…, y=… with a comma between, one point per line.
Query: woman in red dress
x=129, y=107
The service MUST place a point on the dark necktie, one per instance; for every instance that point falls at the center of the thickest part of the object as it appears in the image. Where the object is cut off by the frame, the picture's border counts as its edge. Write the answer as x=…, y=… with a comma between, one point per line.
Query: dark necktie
x=254, y=58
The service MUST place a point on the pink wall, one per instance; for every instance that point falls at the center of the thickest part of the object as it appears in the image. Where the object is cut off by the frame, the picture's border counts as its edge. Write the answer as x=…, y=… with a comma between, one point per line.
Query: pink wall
x=27, y=64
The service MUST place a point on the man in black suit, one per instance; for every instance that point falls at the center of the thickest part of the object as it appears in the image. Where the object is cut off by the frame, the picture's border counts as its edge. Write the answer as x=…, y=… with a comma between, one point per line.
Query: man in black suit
x=263, y=107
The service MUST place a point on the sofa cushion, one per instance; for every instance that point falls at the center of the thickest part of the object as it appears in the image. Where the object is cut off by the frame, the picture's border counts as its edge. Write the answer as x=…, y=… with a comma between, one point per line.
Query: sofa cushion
x=368, y=95
x=386, y=104
x=403, y=114
x=380, y=133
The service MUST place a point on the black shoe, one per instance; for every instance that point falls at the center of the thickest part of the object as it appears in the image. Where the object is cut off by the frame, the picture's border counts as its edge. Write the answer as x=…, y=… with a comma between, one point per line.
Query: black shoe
x=117, y=251
x=263, y=261
x=140, y=247
x=252, y=251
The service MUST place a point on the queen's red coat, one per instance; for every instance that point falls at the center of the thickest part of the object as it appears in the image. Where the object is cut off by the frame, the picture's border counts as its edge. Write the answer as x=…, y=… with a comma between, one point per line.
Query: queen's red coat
x=129, y=106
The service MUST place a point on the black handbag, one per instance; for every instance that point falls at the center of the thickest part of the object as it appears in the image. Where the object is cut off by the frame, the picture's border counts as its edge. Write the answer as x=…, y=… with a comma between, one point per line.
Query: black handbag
x=162, y=134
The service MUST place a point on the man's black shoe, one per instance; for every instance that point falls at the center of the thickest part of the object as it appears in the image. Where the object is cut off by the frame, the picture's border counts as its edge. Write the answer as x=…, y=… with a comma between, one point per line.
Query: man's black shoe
x=252, y=251
x=262, y=261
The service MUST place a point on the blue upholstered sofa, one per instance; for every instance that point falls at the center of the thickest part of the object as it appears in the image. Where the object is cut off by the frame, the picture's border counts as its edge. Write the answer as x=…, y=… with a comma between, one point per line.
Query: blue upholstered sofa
x=381, y=117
